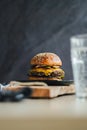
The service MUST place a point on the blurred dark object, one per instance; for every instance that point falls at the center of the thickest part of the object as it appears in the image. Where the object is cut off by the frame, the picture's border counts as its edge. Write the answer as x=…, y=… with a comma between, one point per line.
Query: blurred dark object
x=15, y=96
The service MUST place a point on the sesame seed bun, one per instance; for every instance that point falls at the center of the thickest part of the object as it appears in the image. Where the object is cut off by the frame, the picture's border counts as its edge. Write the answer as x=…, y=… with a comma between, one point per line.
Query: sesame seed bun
x=46, y=58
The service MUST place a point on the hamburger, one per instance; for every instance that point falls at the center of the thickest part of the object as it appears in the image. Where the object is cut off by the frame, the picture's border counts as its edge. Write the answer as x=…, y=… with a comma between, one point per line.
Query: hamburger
x=46, y=66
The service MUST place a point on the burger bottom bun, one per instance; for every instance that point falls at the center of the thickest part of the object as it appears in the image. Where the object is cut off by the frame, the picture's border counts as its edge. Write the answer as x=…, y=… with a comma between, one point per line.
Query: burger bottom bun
x=42, y=78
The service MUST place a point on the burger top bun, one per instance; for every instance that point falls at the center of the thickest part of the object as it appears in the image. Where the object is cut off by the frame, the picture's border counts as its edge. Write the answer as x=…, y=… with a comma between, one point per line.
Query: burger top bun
x=46, y=58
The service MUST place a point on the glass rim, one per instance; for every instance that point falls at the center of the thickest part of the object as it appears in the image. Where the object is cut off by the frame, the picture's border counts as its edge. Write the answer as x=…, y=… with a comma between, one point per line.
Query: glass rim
x=79, y=36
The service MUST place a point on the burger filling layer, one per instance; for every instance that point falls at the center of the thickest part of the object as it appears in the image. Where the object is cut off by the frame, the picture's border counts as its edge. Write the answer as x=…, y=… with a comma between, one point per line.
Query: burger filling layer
x=47, y=72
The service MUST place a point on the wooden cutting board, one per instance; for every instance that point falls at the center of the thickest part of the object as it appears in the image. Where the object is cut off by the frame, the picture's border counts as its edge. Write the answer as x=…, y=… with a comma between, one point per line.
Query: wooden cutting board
x=46, y=91
x=51, y=91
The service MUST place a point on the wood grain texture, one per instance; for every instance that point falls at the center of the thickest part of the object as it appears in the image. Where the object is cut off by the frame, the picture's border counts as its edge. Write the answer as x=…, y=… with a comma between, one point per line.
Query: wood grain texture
x=45, y=91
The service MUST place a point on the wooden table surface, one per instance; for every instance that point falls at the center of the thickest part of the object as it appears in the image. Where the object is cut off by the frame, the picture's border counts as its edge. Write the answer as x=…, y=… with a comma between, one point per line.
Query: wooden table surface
x=63, y=113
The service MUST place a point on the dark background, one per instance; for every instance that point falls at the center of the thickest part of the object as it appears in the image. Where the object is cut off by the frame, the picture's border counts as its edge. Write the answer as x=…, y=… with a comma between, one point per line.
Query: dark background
x=28, y=27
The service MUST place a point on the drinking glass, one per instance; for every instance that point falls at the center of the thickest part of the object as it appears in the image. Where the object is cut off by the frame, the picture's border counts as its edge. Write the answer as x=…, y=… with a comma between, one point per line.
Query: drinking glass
x=79, y=64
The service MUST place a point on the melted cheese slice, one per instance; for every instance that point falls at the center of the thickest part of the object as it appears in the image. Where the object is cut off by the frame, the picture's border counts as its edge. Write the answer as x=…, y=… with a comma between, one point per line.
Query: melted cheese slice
x=46, y=71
